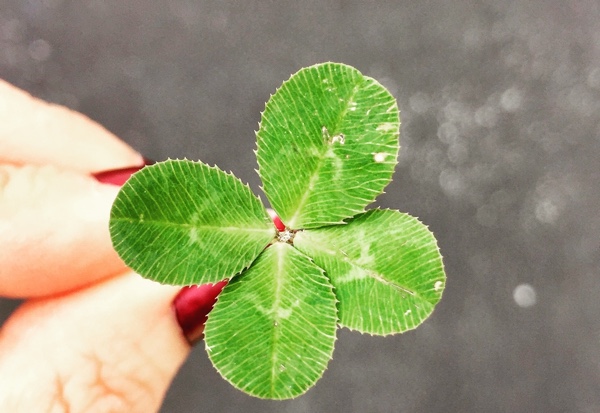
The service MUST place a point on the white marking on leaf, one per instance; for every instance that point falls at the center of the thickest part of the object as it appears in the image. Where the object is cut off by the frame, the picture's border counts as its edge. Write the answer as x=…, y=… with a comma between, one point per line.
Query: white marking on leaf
x=355, y=273
x=379, y=157
x=365, y=259
x=277, y=312
x=340, y=138
x=194, y=235
x=386, y=127
x=337, y=163
x=283, y=313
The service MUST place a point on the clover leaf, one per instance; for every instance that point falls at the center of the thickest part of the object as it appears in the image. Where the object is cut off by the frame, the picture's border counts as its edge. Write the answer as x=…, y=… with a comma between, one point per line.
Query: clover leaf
x=327, y=146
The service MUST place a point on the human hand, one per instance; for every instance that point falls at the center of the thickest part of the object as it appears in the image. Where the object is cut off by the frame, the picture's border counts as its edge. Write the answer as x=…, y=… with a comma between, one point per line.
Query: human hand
x=92, y=336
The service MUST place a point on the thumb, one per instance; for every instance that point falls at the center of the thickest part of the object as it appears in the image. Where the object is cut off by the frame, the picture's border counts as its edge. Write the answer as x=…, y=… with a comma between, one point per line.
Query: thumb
x=113, y=347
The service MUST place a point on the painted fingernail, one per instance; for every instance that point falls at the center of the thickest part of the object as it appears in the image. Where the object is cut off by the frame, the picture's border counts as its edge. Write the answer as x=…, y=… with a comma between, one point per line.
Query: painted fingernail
x=119, y=176
x=276, y=220
x=192, y=306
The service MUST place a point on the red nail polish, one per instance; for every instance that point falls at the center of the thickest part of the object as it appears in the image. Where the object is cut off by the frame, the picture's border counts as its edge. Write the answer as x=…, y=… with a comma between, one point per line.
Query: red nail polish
x=278, y=224
x=192, y=306
x=276, y=220
x=119, y=176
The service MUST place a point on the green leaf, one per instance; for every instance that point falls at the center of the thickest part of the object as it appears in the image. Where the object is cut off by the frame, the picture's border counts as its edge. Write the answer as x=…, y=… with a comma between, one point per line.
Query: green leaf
x=182, y=222
x=272, y=330
x=385, y=267
x=327, y=145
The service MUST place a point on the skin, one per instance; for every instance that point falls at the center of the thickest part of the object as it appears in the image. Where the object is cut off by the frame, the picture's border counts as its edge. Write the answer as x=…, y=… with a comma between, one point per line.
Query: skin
x=91, y=336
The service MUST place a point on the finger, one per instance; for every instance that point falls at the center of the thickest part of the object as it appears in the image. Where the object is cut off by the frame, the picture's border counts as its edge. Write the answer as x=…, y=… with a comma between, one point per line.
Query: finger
x=33, y=131
x=54, y=227
x=113, y=347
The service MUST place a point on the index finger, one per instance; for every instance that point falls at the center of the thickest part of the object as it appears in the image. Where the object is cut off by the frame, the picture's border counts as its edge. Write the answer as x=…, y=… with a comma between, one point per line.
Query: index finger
x=54, y=226
x=36, y=132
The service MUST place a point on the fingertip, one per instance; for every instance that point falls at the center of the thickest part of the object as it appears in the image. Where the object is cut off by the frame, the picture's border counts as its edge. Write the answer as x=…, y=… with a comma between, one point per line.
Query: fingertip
x=55, y=231
x=36, y=132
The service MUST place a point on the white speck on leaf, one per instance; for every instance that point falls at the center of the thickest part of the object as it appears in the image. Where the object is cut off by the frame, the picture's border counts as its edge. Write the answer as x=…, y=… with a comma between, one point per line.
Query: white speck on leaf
x=438, y=285
x=379, y=157
x=341, y=139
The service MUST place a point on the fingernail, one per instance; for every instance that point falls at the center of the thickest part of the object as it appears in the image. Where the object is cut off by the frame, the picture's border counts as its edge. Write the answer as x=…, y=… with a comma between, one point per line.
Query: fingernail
x=276, y=220
x=119, y=176
x=192, y=306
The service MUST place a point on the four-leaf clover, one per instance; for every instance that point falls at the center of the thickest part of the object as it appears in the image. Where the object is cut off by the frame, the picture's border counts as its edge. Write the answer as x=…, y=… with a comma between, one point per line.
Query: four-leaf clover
x=327, y=146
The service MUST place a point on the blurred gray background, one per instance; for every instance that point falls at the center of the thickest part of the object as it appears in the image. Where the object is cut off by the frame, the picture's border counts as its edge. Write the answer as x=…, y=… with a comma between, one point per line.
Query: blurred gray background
x=500, y=143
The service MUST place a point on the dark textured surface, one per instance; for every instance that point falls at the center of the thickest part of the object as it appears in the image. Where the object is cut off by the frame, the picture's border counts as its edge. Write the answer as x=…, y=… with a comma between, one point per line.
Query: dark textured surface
x=501, y=133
